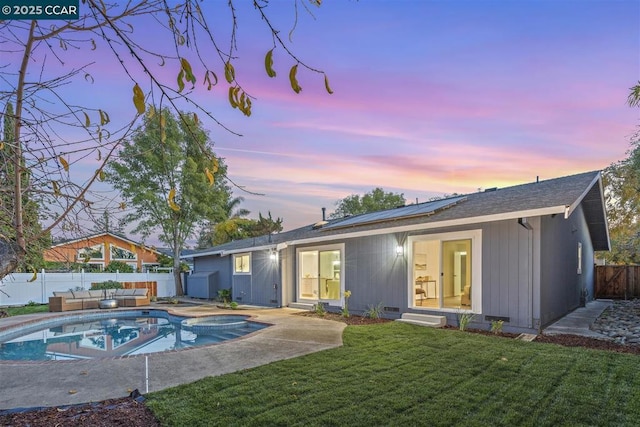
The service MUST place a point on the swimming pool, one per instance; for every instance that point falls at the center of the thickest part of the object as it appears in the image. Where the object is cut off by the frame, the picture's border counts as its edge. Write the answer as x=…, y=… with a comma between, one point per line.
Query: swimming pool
x=118, y=334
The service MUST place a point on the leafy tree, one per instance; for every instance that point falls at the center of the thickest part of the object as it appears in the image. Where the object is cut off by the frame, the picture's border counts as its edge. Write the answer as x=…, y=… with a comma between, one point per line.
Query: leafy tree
x=634, y=96
x=166, y=174
x=107, y=223
x=167, y=262
x=214, y=233
x=225, y=231
x=54, y=131
x=237, y=228
x=265, y=225
x=375, y=200
x=33, y=259
x=120, y=266
x=622, y=192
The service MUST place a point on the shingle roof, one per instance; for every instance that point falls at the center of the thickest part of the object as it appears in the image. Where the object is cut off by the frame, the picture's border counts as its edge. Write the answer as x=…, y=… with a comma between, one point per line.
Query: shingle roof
x=558, y=195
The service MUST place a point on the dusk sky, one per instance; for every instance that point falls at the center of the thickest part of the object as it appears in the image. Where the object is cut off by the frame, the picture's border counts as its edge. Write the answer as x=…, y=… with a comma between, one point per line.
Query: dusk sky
x=436, y=97
x=430, y=97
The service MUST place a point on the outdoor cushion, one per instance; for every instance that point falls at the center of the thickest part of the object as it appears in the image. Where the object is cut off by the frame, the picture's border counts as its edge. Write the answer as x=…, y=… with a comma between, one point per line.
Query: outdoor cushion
x=140, y=292
x=97, y=293
x=65, y=295
x=129, y=292
x=119, y=292
x=81, y=294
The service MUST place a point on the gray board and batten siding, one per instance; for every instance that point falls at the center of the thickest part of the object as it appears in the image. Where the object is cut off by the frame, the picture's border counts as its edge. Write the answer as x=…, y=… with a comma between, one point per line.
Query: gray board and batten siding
x=260, y=287
x=529, y=259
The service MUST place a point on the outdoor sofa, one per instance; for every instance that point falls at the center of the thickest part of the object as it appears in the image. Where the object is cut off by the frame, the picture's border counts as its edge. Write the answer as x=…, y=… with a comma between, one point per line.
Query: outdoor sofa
x=83, y=300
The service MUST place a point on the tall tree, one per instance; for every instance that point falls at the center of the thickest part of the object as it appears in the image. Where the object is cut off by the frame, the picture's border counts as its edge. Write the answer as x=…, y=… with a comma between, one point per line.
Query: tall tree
x=375, y=200
x=108, y=223
x=230, y=228
x=622, y=191
x=33, y=256
x=634, y=96
x=266, y=225
x=165, y=173
x=56, y=130
x=237, y=228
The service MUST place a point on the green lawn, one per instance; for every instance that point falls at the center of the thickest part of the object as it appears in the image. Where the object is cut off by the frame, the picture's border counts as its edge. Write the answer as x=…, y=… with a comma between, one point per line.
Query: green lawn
x=399, y=374
x=27, y=309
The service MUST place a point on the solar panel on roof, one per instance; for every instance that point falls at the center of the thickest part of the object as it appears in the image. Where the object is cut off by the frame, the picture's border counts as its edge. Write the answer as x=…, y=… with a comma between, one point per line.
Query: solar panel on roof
x=420, y=209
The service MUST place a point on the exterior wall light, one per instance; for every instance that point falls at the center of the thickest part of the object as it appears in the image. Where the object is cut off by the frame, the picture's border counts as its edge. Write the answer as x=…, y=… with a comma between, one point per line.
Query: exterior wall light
x=273, y=255
x=399, y=250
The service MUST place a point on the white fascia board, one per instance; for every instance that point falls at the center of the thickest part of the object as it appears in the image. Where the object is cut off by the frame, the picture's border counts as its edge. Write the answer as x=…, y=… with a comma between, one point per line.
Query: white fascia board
x=232, y=251
x=201, y=254
x=423, y=226
x=604, y=209
x=577, y=202
x=89, y=237
x=94, y=236
x=439, y=224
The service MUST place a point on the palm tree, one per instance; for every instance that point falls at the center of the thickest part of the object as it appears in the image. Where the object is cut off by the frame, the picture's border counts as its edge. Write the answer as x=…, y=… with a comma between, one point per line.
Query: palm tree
x=231, y=228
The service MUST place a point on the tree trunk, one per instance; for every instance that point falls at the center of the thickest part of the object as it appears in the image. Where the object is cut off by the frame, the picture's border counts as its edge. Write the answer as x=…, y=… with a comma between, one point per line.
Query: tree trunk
x=177, y=275
x=10, y=255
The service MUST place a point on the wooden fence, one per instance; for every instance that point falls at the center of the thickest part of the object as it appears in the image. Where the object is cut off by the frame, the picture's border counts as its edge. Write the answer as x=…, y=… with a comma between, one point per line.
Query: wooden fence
x=617, y=281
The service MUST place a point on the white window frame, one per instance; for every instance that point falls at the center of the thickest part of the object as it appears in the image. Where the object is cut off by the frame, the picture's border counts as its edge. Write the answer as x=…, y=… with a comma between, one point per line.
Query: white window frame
x=98, y=264
x=476, y=268
x=240, y=273
x=82, y=258
x=112, y=257
x=333, y=247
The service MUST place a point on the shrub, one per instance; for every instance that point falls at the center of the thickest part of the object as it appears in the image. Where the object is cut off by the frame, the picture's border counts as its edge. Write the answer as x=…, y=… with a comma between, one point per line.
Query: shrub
x=120, y=266
x=319, y=309
x=374, y=311
x=496, y=326
x=233, y=305
x=109, y=284
x=464, y=319
x=224, y=296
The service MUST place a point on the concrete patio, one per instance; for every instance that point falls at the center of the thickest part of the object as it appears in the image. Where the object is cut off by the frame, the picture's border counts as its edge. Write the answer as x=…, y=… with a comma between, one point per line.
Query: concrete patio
x=37, y=384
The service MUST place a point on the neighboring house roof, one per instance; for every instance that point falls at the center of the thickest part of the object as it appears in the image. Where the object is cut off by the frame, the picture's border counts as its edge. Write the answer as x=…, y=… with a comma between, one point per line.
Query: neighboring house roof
x=548, y=197
x=97, y=235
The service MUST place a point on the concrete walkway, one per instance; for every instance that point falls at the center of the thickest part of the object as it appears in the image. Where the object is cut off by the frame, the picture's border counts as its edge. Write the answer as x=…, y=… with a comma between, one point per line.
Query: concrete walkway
x=61, y=383
x=579, y=321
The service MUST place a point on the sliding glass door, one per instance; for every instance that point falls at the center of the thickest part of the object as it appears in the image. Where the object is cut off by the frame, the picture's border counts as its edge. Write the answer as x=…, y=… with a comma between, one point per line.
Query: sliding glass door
x=320, y=274
x=443, y=270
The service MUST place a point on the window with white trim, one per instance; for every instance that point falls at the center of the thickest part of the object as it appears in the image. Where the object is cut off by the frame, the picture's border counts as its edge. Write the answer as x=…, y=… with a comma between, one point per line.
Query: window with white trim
x=242, y=263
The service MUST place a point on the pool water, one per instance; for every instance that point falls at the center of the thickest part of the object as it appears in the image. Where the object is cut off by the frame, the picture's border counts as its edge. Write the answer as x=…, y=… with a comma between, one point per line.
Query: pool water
x=118, y=334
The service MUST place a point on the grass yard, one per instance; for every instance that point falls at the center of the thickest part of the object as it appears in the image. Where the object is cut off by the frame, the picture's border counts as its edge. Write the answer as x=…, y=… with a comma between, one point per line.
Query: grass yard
x=27, y=309
x=399, y=374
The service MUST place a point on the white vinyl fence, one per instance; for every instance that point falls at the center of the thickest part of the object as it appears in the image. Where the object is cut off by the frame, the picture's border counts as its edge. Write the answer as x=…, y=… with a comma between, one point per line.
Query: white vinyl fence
x=15, y=289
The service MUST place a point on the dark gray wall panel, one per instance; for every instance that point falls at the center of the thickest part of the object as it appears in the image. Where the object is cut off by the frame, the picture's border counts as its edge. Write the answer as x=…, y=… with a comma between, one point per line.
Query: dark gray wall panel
x=560, y=283
x=264, y=275
x=375, y=273
x=241, y=289
x=506, y=272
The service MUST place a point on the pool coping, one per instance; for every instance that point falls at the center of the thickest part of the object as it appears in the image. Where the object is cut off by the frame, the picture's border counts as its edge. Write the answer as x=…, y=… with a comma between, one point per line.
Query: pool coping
x=37, y=384
x=105, y=313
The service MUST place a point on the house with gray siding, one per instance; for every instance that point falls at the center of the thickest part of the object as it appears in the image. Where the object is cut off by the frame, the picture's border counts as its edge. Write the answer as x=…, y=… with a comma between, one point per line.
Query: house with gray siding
x=521, y=254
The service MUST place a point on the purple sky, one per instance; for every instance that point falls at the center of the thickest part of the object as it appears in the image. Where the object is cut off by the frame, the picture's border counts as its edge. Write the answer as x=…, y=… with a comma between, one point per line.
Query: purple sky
x=439, y=97
x=431, y=97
